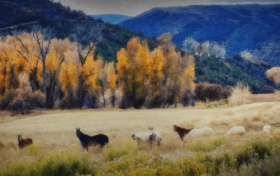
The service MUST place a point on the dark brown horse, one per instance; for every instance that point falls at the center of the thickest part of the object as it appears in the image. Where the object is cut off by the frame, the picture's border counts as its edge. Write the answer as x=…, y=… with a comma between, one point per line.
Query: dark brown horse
x=24, y=142
x=86, y=140
x=181, y=131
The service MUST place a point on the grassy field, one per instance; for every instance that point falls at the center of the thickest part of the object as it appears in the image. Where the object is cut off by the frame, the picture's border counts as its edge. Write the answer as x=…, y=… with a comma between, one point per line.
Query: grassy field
x=54, y=131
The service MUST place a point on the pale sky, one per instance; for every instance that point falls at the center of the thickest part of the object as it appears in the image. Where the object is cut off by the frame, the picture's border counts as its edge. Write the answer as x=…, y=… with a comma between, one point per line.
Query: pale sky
x=135, y=7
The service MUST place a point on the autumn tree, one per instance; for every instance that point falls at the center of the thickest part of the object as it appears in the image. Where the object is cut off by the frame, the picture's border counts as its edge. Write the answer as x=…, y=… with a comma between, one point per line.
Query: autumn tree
x=178, y=72
x=274, y=74
x=160, y=78
x=28, y=58
x=39, y=42
x=43, y=49
x=7, y=76
x=111, y=78
x=155, y=76
x=132, y=71
x=54, y=60
x=88, y=70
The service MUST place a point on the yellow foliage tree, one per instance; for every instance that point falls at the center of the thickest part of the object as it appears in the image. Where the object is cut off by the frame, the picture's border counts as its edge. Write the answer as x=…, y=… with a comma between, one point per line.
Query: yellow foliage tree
x=54, y=60
x=274, y=74
x=88, y=69
x=111, y=79
x=155, y=71
x=8, y=64
x=28, y=59
x=132, y=68
x=68, y=76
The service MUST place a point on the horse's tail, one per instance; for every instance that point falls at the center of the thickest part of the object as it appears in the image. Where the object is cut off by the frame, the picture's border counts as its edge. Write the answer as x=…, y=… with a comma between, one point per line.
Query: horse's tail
x=107, y=139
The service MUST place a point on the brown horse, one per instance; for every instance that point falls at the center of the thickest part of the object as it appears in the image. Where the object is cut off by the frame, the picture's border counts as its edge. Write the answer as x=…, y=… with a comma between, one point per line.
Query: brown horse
x=181, y=131
x=24, y=142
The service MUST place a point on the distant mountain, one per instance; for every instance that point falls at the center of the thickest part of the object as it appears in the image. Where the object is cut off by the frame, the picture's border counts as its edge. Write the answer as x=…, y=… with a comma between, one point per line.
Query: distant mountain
x=255, y=28
x=112, y=18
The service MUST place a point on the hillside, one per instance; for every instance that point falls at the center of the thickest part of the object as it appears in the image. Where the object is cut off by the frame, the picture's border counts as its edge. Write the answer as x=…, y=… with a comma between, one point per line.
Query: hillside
x=63, y=21
x=112, y=18
x=16, y=11
x=255, y=28
x=23, y=15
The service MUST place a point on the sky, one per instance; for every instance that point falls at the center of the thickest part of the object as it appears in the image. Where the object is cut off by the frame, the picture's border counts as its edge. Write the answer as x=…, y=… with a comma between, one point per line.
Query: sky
x=135, y=7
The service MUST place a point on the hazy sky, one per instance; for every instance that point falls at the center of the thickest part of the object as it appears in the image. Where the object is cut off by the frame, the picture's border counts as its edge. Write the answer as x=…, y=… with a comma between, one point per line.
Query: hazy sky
x=135, y=7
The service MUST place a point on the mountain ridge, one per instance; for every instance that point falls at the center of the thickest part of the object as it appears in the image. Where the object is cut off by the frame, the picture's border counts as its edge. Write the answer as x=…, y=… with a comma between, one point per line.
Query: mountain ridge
x=251, y=27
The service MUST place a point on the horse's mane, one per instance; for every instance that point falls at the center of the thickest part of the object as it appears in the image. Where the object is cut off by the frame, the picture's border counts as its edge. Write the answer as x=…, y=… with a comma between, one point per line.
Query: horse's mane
x=181, y=131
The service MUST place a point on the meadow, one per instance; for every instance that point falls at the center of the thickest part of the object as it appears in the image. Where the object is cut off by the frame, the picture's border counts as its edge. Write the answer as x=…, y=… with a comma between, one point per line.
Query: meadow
x=57, y=150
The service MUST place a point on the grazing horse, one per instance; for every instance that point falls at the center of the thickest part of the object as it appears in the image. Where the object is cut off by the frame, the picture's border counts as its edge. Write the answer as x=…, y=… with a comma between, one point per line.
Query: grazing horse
x=24, y=142
x=181, y=131
x=86, y=140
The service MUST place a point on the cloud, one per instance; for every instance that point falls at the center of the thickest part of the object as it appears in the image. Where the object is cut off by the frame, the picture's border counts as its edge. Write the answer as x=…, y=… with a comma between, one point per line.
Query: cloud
x=135, y=7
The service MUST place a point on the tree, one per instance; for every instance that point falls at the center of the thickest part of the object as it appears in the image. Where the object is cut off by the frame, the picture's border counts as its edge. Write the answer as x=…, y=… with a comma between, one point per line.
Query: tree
x=274, y=74
x=176, y=78
x=8, y=78
x=28, y=58
x=54, y=60
x=43, y=49
x=111, y=79
x=155, y=72
x=132, y=71
x=88, y=70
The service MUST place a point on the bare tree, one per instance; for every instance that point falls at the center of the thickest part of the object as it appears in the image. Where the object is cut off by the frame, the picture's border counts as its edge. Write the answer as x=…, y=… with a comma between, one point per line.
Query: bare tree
x=43, y=39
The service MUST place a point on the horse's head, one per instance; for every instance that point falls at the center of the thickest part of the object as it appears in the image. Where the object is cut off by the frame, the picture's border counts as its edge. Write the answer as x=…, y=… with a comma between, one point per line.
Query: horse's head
x=19, y=138
x=78, y=132
x=133, y=136
x=175, y=128
x=151, y=130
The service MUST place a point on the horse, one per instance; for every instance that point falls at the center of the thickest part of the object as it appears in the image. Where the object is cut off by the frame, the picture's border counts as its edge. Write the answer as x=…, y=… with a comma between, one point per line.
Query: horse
x=86, y=140
x=155, y=136
x=181, y=131
x=24, y=142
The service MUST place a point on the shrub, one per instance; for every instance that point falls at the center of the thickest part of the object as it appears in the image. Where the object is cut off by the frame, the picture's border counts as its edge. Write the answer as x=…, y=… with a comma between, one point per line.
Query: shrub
x=205, y=146
x=23, y=100
x=211, y=92
x=113, y=154
x=56, y=164
x=267, y=89
x=239, y=95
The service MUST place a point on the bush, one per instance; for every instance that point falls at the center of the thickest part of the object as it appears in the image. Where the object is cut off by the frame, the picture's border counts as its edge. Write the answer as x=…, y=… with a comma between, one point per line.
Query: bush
x=23, y=100
x=211, y=92
x=56, y=164
x=267, y=89
x=239, y=95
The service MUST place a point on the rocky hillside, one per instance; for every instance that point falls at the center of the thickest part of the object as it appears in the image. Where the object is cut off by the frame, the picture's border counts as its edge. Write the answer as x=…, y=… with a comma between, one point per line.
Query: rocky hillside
x=251, y=28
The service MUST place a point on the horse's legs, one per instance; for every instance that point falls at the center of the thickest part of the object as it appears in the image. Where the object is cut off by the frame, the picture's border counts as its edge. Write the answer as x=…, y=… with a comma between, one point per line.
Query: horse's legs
x=159, y=142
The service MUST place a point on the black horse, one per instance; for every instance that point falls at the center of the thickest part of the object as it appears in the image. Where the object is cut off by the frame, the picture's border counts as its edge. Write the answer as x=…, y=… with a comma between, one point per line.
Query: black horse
x=86, y=140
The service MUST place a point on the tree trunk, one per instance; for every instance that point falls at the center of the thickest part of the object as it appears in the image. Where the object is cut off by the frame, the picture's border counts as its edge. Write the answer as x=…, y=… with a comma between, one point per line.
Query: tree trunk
x=81, y=94
x=113, y=98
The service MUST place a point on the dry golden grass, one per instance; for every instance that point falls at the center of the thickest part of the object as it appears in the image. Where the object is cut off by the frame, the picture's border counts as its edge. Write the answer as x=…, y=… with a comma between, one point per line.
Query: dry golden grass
x=56, y=130
x=264, y=97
